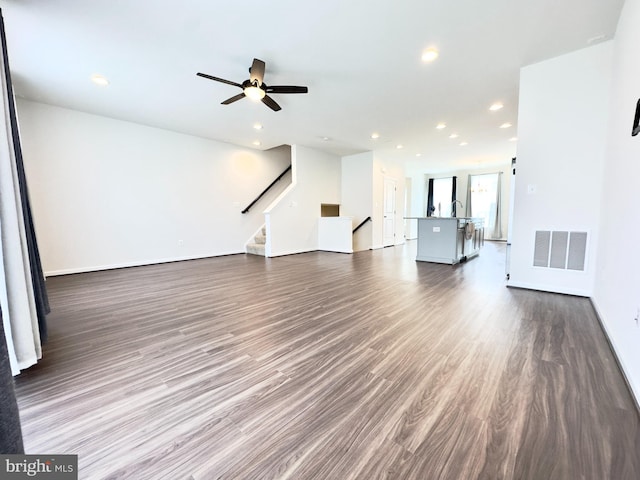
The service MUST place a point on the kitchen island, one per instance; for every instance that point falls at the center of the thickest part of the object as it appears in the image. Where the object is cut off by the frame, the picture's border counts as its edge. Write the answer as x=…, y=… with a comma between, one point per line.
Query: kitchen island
x=449, y=239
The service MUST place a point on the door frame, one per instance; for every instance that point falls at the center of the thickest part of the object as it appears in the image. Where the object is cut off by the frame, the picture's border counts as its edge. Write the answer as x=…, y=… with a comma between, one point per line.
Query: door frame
x=389, y=236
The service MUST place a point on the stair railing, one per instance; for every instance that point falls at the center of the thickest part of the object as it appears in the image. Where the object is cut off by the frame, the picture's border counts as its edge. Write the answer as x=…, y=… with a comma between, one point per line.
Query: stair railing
x=266, y=189
x=368, y=219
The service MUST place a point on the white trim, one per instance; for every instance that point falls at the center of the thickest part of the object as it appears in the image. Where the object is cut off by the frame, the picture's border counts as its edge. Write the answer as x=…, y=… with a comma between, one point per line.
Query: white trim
x=547, y=288
x=634, y=389
x=97, y=268
x=291, y=252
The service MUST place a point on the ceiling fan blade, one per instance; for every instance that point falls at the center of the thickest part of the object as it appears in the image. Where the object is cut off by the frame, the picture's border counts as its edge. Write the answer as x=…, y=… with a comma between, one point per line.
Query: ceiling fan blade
x=286, y=89
x=211, y=77
x=257, y=71
x=270, y=102
x=234, y=99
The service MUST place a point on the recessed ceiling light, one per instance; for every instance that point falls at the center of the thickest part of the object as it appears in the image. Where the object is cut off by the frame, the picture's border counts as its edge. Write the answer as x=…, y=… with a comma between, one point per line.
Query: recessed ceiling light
x=257, y=143
x=375, y=135
x=399, y=146
x=505, y=125
x=454, y=135
x=462, y=144
x=430, y=54
x=441, y=125
x=257, y=126
x=325, y=139
x=513, y=139
x=99, y=80
x=418, y=154
x=496, y=106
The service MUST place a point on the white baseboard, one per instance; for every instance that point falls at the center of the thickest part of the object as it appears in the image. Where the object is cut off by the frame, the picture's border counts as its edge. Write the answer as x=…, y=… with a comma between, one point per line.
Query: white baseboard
x=635, y=392
x=546, y=288
x=290, y=252
x=139, y=263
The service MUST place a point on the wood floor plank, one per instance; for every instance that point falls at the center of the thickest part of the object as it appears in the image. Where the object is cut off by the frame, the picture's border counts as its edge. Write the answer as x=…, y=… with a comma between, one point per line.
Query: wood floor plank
x=326, y=366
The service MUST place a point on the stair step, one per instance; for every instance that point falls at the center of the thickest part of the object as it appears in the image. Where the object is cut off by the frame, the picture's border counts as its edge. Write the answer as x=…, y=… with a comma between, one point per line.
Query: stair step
x=260, y=239
x=256, y=249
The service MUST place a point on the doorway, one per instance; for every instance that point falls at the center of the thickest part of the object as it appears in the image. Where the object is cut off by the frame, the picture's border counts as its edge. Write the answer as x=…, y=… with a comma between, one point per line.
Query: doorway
x=389, y=224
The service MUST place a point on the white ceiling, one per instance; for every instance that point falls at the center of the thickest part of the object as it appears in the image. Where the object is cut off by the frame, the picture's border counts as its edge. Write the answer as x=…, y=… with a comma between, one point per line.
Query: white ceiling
x=360, y=60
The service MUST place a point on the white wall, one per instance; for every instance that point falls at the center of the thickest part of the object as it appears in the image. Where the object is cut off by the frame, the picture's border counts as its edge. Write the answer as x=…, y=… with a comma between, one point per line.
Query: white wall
x=617, y=288
x=292, y=222
x=357, y=192
x=418, y=200
x=107, y=193
x=562, y=125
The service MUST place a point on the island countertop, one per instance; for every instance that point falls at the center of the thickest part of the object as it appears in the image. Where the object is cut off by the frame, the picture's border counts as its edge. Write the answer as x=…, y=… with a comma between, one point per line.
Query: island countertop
x=449, y=239
x=475, y=219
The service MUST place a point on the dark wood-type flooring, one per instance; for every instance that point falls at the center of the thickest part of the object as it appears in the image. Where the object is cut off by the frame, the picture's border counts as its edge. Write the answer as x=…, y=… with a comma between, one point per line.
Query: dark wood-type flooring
x=326, y=366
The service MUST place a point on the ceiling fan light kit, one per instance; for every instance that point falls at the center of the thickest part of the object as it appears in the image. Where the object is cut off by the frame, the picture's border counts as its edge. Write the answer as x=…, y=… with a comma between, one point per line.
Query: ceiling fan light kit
x=255, y=88
x=254, y=93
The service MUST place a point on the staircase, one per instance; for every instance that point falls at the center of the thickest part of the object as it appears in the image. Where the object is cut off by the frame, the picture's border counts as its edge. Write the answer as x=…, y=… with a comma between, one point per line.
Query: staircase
x=257, y=246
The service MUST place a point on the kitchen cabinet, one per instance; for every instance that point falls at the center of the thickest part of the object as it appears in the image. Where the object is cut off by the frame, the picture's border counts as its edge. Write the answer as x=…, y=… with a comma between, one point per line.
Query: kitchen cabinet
x=449, y=240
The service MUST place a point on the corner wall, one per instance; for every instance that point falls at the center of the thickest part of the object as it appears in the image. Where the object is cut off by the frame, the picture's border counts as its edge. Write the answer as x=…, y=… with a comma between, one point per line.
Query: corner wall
x=107, y=193
x=357, y=192
x=363, y=177
x=616, y=294
x=292, y=220
x=562, y=129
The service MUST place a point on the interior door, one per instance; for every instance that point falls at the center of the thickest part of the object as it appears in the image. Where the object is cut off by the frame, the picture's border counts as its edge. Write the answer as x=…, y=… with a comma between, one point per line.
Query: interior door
x=389, y=225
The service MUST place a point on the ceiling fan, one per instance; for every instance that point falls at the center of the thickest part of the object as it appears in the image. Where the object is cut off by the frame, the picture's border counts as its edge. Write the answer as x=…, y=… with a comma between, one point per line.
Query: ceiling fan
x=255, y=88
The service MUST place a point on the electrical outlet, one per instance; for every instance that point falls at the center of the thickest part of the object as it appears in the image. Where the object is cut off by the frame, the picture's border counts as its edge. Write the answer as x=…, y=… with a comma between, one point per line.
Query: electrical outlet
x=180, y=243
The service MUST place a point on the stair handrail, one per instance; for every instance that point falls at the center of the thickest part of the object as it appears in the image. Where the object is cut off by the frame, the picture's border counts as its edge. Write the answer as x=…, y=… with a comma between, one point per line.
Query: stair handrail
x=368, y=219
x=266, y=189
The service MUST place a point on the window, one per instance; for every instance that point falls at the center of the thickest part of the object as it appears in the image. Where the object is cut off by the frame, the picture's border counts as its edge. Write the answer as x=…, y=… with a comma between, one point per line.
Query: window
x=484, y=198
x=442, y=189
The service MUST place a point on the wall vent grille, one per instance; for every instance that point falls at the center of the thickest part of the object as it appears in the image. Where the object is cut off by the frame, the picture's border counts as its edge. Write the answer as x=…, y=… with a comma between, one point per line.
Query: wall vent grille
x=560, y=249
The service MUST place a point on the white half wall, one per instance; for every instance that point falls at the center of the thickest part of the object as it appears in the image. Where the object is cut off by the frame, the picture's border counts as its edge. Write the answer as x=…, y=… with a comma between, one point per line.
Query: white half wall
x=292, y=221
x=616, y=294
x=107, y=193
x=334, y=234
x=562, y=130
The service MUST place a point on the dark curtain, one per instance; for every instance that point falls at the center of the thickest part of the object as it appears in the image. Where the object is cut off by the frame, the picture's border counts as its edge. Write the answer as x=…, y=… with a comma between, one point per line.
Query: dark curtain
x=37, y=276
x=454, y=182
x=430, y=207
x=10, y=430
